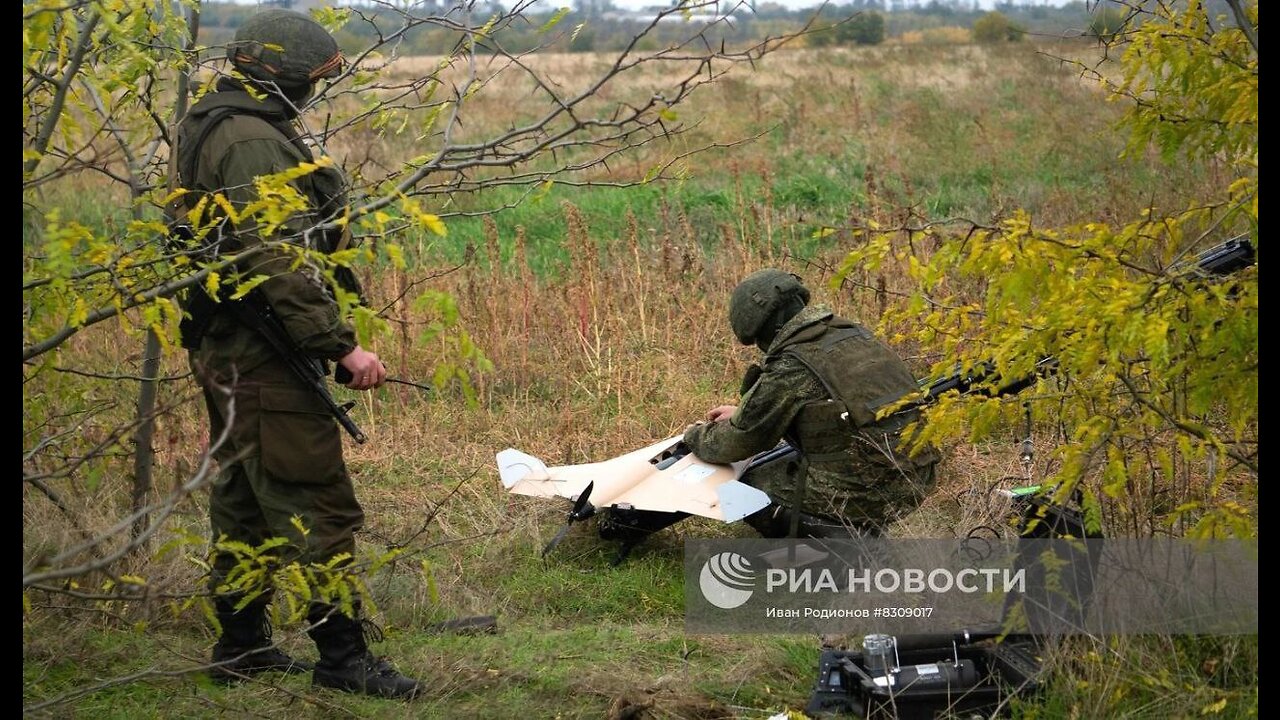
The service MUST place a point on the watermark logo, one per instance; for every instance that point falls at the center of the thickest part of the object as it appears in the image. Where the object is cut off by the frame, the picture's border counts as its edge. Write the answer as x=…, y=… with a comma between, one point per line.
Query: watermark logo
x=727, y=580
x=922, y=586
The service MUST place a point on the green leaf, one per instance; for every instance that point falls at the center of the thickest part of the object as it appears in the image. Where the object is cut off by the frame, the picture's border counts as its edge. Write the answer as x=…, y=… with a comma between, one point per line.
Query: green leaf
x=247, y=287
x=554, y=20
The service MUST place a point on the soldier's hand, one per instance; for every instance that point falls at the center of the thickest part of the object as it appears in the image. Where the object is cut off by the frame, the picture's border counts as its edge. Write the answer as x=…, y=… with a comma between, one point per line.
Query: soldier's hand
x=367, y=371
x=724, y=412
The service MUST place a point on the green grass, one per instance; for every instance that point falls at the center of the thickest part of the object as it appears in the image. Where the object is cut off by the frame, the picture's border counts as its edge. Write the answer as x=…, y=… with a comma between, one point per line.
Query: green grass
x=576, y=637
x=1022, y=136
x=579, y=639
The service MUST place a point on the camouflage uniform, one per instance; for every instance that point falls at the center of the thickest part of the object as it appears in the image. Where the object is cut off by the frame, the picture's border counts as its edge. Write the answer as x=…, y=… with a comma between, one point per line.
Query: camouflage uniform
x=282, y=455
x=858, y=479
x=260, y=139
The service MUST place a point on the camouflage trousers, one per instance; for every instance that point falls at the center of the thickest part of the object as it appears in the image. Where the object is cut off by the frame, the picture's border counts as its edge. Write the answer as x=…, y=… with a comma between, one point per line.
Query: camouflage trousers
x=280, y=456
x=838, y=501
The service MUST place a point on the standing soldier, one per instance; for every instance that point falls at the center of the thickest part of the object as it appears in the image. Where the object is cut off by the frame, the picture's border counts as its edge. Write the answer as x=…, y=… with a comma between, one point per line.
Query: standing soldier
x=819, y=377
x=283, y=453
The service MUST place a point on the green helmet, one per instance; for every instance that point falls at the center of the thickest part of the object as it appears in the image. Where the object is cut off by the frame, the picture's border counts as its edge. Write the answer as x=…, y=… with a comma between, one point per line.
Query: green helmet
x=757, y=300
x=286, y=48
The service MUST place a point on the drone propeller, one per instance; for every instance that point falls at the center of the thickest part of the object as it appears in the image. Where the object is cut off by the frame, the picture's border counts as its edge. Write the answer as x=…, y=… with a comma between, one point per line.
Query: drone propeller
x=582, y=509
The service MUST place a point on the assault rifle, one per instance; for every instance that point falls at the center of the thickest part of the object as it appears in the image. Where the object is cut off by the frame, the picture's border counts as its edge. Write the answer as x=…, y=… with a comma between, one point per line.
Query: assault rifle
x=1218, y=261
x=1222, y=260
x=254, y=312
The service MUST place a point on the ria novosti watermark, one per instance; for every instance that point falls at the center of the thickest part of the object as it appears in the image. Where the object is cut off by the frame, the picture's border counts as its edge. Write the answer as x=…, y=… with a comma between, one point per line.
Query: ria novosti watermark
x=929, y=586
x=892, y=580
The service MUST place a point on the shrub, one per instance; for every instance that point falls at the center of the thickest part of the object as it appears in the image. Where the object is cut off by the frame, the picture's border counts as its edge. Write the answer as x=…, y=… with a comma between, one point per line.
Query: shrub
x=995, y=27
x=865, y=28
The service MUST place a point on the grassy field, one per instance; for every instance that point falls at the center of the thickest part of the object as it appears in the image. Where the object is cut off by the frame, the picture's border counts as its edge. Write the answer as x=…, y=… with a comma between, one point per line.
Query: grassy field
x=603, y=314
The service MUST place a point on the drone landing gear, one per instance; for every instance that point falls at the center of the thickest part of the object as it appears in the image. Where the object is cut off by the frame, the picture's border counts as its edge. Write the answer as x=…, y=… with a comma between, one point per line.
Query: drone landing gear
x=630, y=527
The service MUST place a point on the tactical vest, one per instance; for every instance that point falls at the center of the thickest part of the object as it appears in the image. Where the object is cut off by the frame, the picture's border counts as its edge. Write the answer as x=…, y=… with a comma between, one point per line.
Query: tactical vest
x=328, y=185
x=858, y=372
x=328, y=196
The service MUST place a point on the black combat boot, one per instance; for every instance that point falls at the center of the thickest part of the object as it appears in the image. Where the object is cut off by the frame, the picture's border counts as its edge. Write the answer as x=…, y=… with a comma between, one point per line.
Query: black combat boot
x=345, y=661
x=245, y=648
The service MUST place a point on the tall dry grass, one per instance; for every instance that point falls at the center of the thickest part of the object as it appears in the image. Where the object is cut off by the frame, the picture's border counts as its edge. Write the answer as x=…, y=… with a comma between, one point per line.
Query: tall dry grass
x=621, y=337
x=627, y=339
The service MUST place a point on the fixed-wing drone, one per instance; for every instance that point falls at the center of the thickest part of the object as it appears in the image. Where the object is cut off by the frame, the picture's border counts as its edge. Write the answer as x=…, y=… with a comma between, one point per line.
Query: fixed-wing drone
x=641, y=492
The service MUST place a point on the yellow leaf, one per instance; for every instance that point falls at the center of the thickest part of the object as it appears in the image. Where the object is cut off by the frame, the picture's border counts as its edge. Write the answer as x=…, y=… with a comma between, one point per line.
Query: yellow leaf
x=226, y=207
x=1214, y=708
x=396, y=254
x=434, y=224
x=79, y=313
x=556, y=17
x=211, y=283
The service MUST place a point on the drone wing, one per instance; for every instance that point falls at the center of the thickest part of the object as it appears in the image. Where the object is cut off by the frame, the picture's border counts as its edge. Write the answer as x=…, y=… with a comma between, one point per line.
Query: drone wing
x=664, y=477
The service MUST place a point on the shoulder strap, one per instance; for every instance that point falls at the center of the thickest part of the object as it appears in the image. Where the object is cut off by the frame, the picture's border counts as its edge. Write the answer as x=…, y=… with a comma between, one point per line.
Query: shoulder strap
x=187, y=173
x=831, y=392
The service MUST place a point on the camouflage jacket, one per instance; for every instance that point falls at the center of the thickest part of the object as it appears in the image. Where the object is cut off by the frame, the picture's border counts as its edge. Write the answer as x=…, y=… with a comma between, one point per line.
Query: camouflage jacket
x=856, y=474
x=239, y=148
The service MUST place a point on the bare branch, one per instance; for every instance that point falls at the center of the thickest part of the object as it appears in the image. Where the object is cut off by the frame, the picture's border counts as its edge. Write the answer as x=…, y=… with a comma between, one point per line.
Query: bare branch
x=163, y=290
x=110, y=376
x=163, y=509
x=83, y=41
x=1185, y=426
x=1242, y=21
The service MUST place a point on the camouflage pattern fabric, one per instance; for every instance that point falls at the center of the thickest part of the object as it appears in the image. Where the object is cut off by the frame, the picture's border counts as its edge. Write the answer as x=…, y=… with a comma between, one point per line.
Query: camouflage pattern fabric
x=857, y=477
x=284, y=455
x=239, y=149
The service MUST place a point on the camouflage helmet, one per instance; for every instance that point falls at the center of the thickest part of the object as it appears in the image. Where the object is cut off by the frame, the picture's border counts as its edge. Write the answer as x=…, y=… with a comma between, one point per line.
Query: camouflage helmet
x=286, y=48
x=757, y=298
